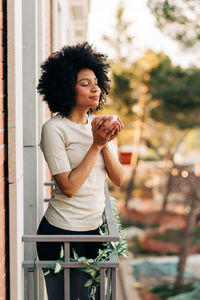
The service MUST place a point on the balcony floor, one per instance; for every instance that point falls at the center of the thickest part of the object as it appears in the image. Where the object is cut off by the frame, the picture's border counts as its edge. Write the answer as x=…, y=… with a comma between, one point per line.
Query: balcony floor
x=125, y=282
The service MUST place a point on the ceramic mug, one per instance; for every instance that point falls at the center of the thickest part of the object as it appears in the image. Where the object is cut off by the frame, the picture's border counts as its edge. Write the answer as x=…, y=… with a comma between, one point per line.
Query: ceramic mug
x=97, y=119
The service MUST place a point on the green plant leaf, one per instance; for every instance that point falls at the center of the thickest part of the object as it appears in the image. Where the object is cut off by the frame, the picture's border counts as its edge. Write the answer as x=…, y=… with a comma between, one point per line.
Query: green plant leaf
x=113, y=244
x=97, y=279
x=93, y=292
x=85, y=262
x=90, y=261
x=88, y=283
x=62, y=252
x=46, y=273
x=92, y=272
x=58, y=267
x=100, y=251
x=82, y=258
x=75, y=254
x=103, y=254
x=125, y=254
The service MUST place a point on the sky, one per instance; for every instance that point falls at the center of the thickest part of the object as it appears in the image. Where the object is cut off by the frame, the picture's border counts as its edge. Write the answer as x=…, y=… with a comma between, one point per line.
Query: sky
x=146, y=35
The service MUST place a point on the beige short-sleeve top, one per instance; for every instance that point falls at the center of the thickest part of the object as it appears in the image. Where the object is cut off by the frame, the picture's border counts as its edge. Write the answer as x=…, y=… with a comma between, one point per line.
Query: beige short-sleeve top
x=64, y=144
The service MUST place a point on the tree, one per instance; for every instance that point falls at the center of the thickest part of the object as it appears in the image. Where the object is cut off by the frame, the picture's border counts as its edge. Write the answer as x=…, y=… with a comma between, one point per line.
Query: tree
x=188, y=232
x=176, y=92
x=178, y=19
x=122, y=91
x=130, y=94
x=152, y=88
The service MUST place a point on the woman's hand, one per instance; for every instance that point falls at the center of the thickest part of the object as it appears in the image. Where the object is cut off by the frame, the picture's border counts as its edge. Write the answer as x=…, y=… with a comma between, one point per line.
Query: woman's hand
x=102, y=134
x=115, y=128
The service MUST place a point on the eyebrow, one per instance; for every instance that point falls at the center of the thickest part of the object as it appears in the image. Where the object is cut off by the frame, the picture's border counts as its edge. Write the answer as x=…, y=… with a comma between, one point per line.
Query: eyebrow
x=87, y=79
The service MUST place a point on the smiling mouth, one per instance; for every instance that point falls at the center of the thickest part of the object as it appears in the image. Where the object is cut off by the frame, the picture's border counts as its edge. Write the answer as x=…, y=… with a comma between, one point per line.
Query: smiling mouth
x=94, y=97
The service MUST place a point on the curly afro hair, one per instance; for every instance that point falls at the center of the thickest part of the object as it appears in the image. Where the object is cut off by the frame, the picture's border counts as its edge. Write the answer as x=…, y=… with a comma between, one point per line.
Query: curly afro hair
x=59, y=76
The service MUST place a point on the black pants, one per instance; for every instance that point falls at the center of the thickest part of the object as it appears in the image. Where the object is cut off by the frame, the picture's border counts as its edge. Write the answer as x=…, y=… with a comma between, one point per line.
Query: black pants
x=51, y=251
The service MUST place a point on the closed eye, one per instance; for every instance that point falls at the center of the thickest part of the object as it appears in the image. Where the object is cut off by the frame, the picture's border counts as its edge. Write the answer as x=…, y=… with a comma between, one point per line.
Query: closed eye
x=88, y=84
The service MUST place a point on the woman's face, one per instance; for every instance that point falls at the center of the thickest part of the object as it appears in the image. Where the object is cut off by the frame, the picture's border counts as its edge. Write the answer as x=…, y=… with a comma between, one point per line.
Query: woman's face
x=87, y=90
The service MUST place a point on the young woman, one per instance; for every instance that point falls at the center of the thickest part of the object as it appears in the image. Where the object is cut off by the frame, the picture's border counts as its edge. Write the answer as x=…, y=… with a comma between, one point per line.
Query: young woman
x=79, y=153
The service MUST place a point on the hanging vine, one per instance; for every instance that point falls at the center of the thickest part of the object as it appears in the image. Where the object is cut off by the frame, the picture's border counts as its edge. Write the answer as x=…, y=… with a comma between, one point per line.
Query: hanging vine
x=104, y=254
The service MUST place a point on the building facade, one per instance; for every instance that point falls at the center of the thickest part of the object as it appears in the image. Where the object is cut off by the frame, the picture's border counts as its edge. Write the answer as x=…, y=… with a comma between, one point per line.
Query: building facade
x=30, y=32
x=4, y=234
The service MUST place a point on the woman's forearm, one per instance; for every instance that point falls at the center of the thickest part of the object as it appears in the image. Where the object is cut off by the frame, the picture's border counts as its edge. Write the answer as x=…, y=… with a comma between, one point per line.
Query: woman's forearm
x=77, y=177
x=114, y=169
x=71, y=182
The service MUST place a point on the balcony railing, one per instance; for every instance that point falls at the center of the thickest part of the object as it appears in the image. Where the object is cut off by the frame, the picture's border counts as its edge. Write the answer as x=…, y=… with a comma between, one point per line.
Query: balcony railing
x=107, y=268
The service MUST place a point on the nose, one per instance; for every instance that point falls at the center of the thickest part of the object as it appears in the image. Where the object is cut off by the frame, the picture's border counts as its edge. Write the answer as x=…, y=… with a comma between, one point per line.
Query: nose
x=95, y=87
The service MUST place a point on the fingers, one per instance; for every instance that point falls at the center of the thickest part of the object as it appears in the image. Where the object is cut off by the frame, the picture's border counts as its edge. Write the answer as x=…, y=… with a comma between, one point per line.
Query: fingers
x=116, y=125
x=102, y=120
x=93, y=124
x=104, y=133
x=113, y=135
x=119, y=120
x=103, y=124
x=93, y=127
x=113, y=127
x=113, y=132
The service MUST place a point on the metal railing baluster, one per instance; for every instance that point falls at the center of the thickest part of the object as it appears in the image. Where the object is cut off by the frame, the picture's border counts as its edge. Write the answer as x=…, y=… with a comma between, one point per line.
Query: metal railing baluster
x=67, y=272
x=31, y=289
x=107, y=268
x=113, y=280
x=102, y=283
x=108, y=291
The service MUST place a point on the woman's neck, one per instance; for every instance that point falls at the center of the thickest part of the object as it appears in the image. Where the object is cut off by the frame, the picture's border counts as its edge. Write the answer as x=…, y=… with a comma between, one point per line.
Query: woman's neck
x=78, y=117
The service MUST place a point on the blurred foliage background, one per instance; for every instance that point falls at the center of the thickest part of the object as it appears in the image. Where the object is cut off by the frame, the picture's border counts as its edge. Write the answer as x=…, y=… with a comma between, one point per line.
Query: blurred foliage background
x=159, y=104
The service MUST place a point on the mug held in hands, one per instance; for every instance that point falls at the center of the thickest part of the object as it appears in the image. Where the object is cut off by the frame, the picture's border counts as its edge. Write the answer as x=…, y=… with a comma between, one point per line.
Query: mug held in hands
x=98, y=119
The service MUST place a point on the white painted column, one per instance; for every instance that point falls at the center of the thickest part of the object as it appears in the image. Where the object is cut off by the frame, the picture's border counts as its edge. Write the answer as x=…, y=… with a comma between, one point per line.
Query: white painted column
x=41, y=107
x=41, y=120
x=62, y=25
x=55, y=22
x=31, y=128
x=15, y=147
x=30, y=116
